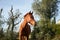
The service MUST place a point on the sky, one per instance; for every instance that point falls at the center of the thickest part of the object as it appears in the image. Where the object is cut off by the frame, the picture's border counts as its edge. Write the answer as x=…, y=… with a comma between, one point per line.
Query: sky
x=58, y=16
x=23, y=5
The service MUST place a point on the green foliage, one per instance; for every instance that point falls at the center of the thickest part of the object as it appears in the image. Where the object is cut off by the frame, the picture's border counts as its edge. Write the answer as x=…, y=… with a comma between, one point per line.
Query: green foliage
x=46, y=9
x=57, y=26
x=43, y=32
x=35, y=33
x=7, y=36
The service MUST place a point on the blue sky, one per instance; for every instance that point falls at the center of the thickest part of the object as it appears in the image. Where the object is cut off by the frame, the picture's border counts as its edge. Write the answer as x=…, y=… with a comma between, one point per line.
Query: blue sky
x=23, y=5
x=58, y=16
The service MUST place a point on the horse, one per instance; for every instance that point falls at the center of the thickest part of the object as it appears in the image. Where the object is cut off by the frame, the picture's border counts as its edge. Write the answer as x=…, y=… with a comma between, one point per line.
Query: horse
x=25, y=30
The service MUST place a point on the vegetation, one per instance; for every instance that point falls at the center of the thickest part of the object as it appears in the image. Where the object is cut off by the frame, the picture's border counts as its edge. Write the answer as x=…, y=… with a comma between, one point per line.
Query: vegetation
x=12, y=21
x=46, y=28
x=47, y=10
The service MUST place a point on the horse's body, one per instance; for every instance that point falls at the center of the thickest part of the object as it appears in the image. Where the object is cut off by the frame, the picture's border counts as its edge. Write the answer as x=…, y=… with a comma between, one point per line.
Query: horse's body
x=25, y=27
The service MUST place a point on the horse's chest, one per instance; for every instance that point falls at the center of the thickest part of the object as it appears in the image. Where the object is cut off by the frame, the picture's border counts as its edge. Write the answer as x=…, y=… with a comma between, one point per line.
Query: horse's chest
x=26, y=30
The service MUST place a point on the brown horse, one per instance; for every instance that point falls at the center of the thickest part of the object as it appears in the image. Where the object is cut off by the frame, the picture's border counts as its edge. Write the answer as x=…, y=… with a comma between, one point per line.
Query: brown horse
x=25, y=27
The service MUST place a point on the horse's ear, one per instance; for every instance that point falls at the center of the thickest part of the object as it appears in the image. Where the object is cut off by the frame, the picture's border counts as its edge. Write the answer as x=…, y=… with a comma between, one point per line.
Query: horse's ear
x=32, y=12
x=29, y=11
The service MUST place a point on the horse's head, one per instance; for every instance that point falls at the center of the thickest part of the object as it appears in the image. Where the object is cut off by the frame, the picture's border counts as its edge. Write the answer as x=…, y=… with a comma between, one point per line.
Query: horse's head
x=29, y=18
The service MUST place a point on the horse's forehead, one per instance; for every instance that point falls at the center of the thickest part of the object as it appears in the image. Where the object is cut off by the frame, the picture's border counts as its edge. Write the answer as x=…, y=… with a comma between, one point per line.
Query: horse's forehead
x=29, y=14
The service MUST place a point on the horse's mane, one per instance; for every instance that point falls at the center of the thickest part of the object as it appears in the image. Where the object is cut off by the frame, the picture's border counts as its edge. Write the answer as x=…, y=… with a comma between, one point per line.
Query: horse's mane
x=27, y=14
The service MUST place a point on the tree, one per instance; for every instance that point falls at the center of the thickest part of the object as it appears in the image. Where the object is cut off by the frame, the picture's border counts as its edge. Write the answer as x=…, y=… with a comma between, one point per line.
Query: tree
x=13, y=20
x=1, y=21
x=46, y=9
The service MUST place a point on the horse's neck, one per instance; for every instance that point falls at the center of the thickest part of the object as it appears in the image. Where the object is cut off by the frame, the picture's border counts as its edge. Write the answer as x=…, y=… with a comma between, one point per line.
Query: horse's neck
x=23, y=23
